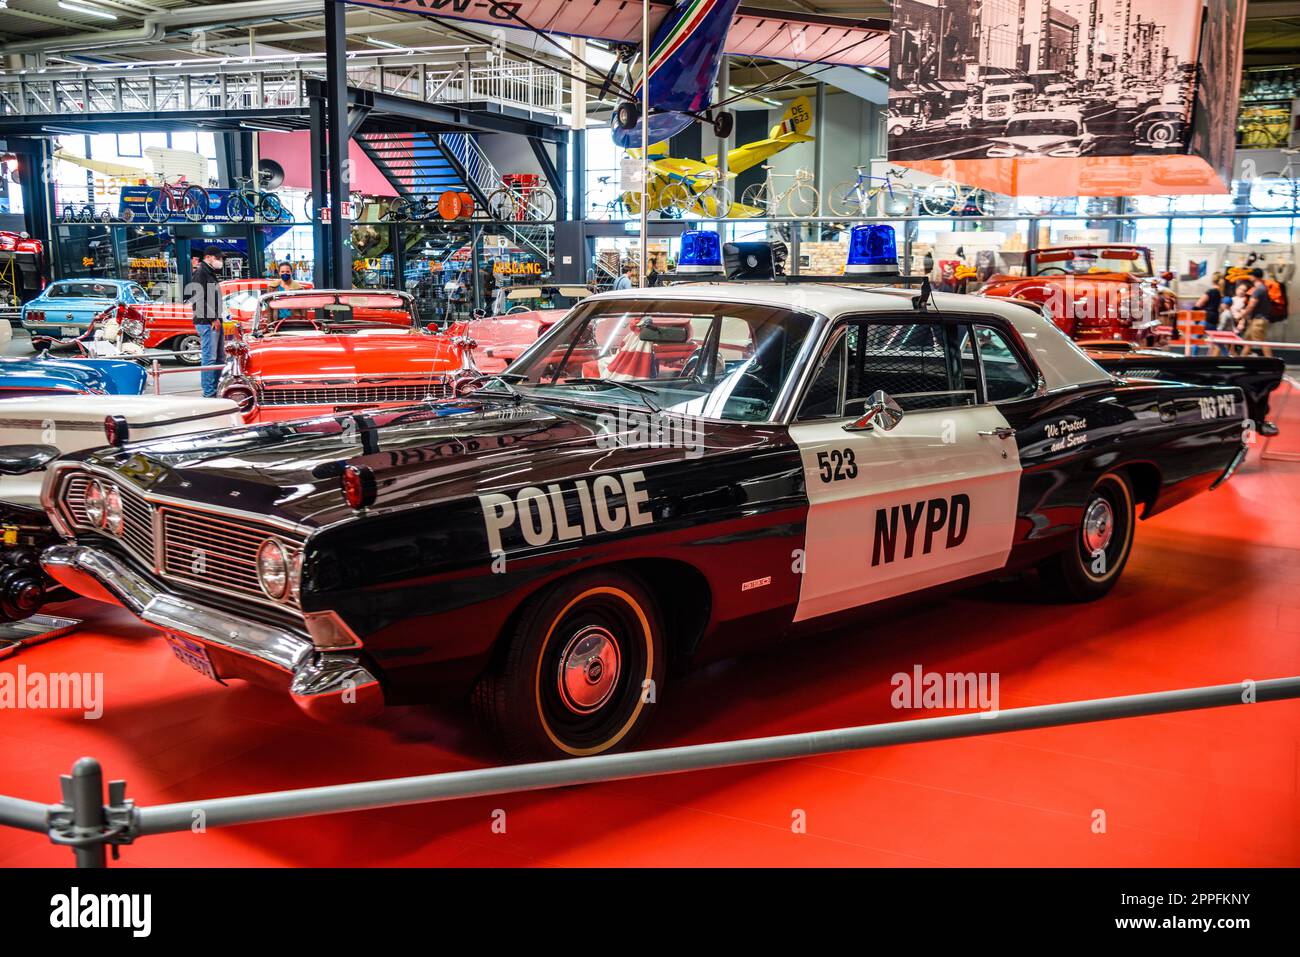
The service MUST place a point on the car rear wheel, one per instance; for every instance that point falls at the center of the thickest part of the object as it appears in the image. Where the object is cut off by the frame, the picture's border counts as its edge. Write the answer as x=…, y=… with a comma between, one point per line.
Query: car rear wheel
x=1089, y=568
x=580, y=671
x=187, y=349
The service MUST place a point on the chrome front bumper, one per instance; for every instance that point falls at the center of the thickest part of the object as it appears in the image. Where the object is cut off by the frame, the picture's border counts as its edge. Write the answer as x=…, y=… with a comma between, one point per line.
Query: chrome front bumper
x=329, y=685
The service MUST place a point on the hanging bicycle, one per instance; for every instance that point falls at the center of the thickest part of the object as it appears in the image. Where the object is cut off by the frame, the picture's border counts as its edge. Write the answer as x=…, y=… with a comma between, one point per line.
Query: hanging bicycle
x=800, y=198
x=859, y=197
x=949, y=198
x=246, y=202
x=513, y=204
x=179, y=198
x=701, y=194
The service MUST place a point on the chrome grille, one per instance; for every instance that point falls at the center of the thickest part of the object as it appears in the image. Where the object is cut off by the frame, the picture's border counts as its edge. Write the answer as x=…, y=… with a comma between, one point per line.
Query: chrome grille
x=358, y=395
x=213, y=552
x=137, y=515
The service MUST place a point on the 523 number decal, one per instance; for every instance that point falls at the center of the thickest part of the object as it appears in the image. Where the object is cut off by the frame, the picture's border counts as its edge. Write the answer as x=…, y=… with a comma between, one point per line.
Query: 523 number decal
x=837, y=465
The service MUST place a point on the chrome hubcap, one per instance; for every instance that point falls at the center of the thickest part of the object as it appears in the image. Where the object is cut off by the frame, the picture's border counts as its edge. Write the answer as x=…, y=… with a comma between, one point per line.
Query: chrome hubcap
x=1098, y=526
x=588, y=671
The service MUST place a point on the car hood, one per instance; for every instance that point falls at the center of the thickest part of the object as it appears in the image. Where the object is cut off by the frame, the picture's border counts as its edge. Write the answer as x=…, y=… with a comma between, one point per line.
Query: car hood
x=351, y=354
x=434, y=452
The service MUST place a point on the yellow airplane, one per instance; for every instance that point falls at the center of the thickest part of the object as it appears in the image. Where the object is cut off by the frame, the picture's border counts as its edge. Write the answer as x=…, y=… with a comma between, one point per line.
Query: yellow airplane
x=687, y=184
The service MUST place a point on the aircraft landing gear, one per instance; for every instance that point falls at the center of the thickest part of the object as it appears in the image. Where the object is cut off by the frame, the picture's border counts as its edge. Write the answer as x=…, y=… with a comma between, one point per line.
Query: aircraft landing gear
x=627, y=114
x=723, y=124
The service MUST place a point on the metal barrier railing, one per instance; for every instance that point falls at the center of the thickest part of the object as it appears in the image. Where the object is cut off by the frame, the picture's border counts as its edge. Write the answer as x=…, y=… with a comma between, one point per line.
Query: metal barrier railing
x=89, y=826
x=156, y=371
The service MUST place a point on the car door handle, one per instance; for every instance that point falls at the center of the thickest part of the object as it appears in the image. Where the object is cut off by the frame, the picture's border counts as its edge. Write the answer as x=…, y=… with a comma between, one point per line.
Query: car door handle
x=1002, y=432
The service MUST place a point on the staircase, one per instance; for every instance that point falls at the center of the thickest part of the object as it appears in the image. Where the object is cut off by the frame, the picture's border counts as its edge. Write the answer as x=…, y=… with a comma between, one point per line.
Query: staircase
x=424, y=164
x=413, y=163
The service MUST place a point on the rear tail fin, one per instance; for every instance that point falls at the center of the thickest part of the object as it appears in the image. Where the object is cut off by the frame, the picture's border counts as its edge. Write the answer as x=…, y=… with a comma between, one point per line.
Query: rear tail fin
x=796, y=121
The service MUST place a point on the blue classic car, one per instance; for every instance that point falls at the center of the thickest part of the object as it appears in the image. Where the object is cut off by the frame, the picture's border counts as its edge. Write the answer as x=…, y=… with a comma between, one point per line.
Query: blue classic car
x=41, y=375
x=65, y=308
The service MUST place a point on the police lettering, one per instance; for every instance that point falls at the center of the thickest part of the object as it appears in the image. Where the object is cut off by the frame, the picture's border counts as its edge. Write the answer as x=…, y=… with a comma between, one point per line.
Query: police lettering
x=607, y=503
x=920, y=522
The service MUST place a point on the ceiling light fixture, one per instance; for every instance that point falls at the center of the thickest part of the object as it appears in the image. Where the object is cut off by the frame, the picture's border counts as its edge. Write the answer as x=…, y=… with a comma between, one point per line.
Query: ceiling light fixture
x=86, y=10
x=385, y=43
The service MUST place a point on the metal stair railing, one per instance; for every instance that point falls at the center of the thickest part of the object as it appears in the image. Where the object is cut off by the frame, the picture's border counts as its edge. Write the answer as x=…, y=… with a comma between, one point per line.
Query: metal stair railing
x=272, y=82
x=485, y=179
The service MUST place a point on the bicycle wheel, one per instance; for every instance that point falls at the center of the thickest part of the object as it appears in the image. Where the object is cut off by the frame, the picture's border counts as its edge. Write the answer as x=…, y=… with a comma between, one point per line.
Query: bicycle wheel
x=1272, y=194
x=503, y=205
x=849, y=199
x=270, y=208
x=717, y=201
x=238, y=208
x=755, y=196
x=941, y=199
x=678, y=198
x=195, y=202
x=157, y=206
x=803, y=201
x=541, y=205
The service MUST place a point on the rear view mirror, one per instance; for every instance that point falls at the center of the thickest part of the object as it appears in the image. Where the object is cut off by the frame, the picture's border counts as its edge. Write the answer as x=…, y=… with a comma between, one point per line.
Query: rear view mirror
x=881, y=409
x=673, y=334
x=336, y=312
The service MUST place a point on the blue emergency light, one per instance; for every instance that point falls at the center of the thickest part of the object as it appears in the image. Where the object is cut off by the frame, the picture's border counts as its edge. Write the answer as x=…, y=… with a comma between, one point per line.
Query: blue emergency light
x=701, y=252
x=872, y=250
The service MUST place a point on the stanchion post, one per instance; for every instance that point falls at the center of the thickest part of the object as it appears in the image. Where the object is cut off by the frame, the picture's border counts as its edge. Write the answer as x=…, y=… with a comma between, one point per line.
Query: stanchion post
x=86, y=787
x=155, y=369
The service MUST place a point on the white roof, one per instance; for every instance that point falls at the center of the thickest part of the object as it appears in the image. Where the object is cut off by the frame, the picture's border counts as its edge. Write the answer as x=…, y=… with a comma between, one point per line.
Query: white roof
x=1061, y=361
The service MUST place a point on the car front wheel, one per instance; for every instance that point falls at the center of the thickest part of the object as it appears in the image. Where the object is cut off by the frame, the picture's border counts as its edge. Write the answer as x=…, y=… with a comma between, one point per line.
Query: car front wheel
x=581, y=670
x=1100, y=547
x=187, y=349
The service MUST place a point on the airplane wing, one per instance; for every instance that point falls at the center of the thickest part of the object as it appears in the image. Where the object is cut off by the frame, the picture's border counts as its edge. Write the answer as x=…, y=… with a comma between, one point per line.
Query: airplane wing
x=803, y=37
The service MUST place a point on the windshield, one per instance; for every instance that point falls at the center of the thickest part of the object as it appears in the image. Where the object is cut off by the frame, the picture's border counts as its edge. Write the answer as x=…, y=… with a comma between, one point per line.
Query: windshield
x=1043, y=127
x=716, y=360
x=1079, y=262
x=528, y=298
x=332, y=312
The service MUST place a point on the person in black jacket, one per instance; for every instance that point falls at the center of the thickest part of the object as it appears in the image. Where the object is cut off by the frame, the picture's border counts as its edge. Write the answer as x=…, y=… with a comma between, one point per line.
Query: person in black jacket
x=204, y=296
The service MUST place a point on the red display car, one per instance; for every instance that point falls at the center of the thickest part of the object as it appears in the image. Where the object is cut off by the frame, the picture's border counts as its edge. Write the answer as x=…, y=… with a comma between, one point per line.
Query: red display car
x=170, y=325
x=310, y=352
x=521, y=315
x=1092, y=292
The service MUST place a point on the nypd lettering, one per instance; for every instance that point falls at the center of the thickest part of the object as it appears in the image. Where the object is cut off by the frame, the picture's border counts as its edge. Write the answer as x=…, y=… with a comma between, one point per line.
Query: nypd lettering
x=941, y=522
x=565, y=511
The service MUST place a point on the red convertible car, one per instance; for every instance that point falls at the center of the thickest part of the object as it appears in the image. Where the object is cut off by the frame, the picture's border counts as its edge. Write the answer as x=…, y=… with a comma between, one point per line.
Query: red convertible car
x=321, y=351
x=1092, y=292
x=521, y=315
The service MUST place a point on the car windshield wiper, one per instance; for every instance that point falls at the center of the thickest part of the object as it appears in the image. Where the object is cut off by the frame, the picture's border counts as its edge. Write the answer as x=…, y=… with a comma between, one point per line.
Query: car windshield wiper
x=507, y=379
x=643, y=392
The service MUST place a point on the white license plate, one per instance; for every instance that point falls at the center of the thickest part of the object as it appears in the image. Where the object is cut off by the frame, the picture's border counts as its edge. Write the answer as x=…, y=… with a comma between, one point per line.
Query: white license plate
x=73, y=331
x=193, y=654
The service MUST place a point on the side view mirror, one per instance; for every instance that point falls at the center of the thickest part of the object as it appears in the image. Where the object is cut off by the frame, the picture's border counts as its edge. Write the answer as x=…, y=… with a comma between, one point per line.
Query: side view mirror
x=479, y=314
x=23, y=459
x=881, y=408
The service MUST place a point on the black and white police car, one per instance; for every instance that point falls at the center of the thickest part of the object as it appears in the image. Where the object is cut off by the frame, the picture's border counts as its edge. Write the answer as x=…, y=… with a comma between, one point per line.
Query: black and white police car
x=665, y=476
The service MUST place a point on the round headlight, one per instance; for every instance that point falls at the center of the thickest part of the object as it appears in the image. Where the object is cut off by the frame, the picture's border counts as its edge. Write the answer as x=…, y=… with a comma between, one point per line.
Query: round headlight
x=273, y=569
x=113, y=510
x=94, y=504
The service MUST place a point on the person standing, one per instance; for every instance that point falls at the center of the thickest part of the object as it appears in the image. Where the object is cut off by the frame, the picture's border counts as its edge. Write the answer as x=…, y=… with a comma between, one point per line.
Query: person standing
x=287, y=282
x=624, y=281
x=1255, y=319
x=204, y=297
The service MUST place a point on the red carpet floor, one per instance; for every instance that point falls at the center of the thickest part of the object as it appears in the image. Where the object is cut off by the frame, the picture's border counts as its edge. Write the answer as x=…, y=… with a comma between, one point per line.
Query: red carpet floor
x=1211, y=595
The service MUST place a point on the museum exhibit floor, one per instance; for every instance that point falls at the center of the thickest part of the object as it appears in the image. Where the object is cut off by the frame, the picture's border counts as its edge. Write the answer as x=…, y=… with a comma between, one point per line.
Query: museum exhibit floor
x=1211, y=595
